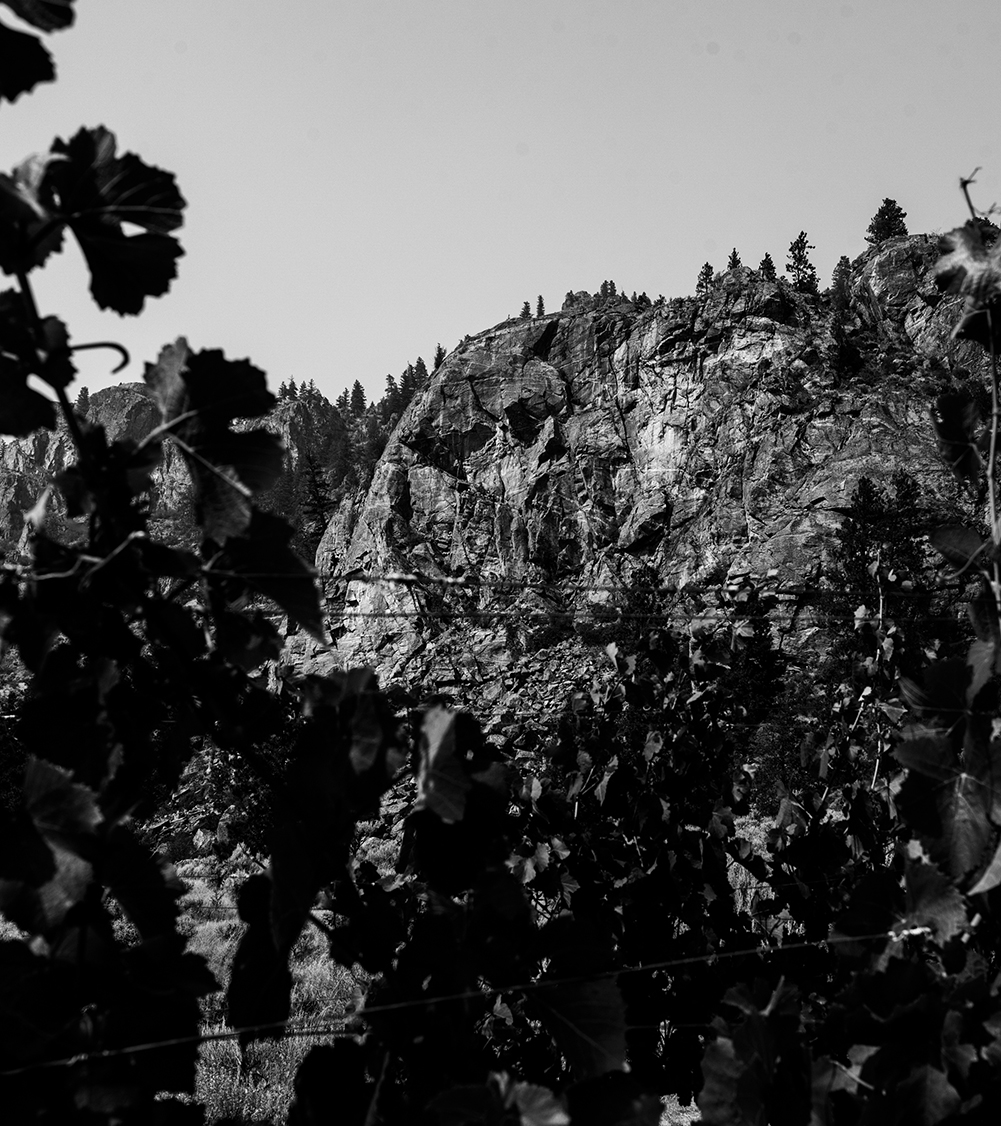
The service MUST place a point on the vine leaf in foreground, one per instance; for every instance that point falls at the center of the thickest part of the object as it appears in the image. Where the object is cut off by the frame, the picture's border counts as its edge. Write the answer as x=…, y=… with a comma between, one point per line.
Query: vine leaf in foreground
x=973, y=271
x=97, y=191
x=199, y=394
x=24, y=62
x=955, y=419
x=22, y=409
x=84, y=185
x=756, y=1070
x=442, y=781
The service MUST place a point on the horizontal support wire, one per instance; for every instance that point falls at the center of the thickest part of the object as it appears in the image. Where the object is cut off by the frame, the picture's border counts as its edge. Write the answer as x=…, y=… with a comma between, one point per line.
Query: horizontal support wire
x=282, y=1030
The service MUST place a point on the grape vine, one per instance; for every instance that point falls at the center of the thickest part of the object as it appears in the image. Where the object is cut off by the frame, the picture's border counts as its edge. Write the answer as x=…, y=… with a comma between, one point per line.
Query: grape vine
x=560, y=943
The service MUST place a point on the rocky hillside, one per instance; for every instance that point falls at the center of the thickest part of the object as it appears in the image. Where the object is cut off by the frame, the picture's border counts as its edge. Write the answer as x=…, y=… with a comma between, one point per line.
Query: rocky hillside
x=550, y=461
x=306, y=427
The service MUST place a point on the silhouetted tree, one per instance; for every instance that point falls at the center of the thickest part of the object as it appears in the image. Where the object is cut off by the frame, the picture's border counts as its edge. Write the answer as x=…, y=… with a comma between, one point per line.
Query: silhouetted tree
x=526, y=311
x=734, y=260
x=343, y=403
x=766, y=268
x=840, y=292
x=540, y=307
x=439, y=357
x=801, y=269
x=82, y=404
x=392, y=401
x=888, y=222
x=705, y=282
x=293, y=391
x=358, y=401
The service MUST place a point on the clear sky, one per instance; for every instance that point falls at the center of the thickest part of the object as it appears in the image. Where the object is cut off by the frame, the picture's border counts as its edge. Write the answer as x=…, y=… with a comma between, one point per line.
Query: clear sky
x=366, y=178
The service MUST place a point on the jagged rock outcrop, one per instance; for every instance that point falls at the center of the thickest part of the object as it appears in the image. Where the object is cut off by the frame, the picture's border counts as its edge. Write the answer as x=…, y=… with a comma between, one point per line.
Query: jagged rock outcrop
x=549, y=460
x=128, y=412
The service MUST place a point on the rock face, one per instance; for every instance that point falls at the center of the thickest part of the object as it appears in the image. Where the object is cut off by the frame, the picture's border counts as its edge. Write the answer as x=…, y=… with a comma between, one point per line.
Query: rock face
x=128, y=412
x=551, y=460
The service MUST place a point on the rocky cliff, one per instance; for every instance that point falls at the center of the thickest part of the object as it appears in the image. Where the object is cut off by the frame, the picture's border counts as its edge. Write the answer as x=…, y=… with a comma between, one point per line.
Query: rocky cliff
x=550, y=461
x=29, y=465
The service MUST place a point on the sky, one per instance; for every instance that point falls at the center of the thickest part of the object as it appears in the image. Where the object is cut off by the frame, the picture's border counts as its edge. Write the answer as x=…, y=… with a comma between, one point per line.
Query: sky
x=368, y=178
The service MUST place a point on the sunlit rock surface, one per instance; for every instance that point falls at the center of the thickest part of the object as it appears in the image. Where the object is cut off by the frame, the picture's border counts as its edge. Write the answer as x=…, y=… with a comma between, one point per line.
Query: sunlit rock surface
x=549, y=460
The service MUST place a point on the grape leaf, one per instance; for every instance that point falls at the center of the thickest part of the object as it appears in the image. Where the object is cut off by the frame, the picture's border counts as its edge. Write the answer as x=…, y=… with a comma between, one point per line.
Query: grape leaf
x=926, y=751
x=954, y=418
x=63, y=817
x=982, y=659
x=967, y=831
x=29, y=231
x=262, y=557
x=991, y=876
x=934, y=902
x=442, y=780
x=587, y=1019
x=22, y=410
x=925, y=1097
x=126, y=269
x=962, y=547
x=966, y=267
x=96, y=191
x=538, y=1106
x=46, y=15
x=24, y=62
x=198, y=394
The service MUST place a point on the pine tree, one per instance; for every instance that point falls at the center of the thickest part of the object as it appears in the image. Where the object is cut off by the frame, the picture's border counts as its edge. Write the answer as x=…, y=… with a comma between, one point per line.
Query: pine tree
x=392, y=400
x=343, y=403
x=733, y=262
x=801, y=269
x=840, y=292
x=705, y=282
x=82, y=404
x=888, y=222
x=845, y=357
x=439, y=357
x=283, y=391
x=540, y=307
x=358, y=401
x=526, y=312
x=420, y=373
x=293, y=391
x=408, y=386
x=603, y=292
x=315, y=506
x=766, y=268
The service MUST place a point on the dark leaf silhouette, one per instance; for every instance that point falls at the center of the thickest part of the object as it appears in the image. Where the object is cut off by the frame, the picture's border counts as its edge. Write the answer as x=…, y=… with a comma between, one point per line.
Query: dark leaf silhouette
x=24, y=62
x=261, y=556
x=962, y=547
x=933, y=901
x=443, y=780
x=966, y=266
x=29, y=229
x=126, y=269
x=955, y=419
x=587, y=1019
x=46, y=15
x=96, y=192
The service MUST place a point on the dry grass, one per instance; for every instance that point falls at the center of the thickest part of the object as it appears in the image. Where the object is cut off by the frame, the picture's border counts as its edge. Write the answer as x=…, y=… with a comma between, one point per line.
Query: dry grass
x=256, y=1087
